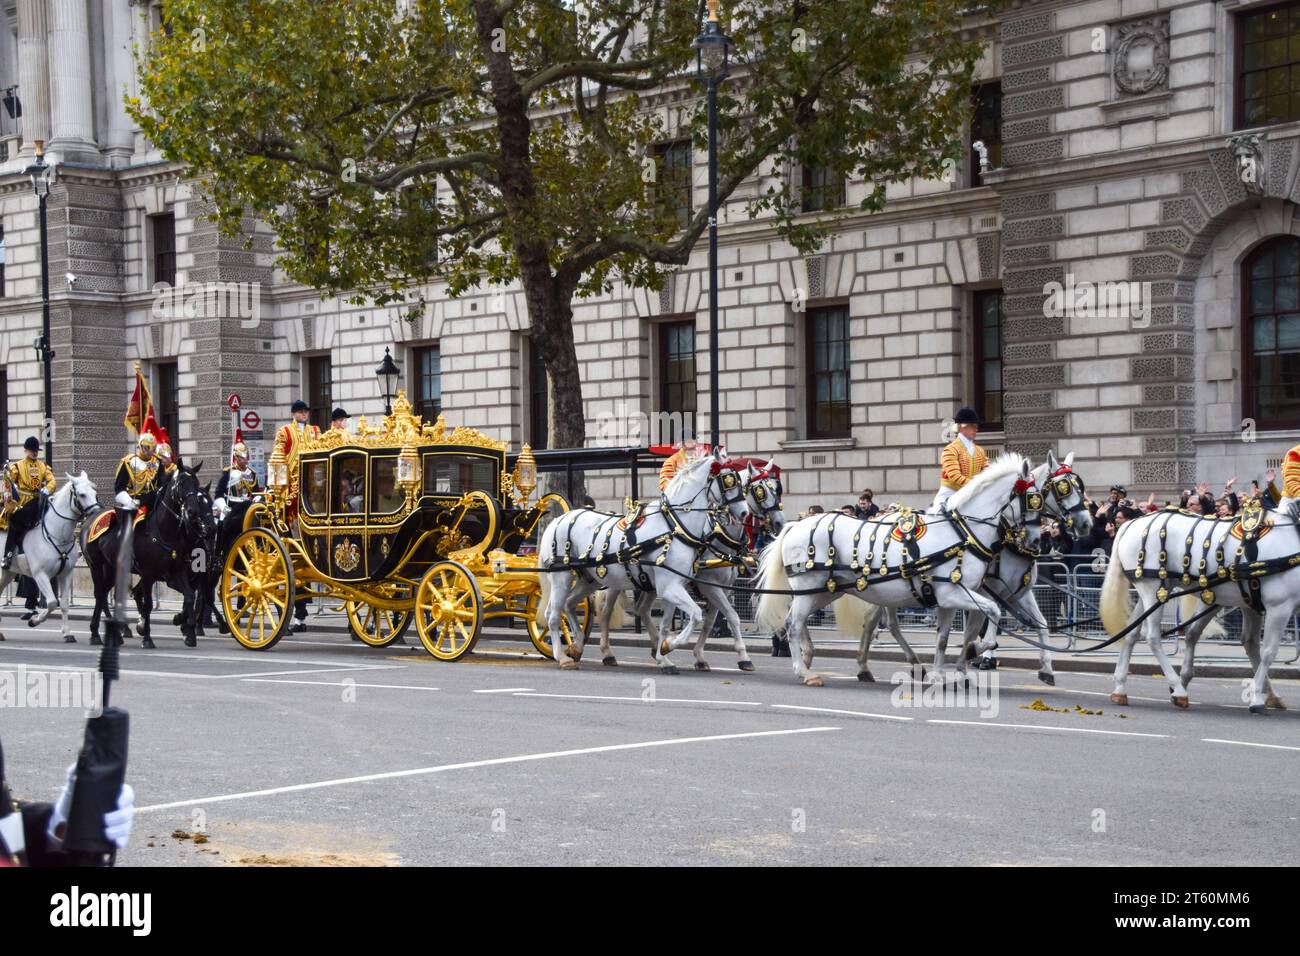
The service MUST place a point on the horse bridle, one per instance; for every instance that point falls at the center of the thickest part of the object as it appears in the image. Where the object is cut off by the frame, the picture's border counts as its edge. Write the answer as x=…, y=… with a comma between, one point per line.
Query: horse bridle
x=1060, y=484
x=176, y=511
x=758, y=492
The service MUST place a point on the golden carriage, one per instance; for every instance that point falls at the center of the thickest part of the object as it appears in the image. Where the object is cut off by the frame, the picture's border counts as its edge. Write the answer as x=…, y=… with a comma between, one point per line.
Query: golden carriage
x=404, y=522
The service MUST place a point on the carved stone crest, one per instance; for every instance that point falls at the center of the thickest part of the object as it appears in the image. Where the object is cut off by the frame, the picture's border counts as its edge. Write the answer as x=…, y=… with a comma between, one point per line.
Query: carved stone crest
x=1248, y=155
x=1141, y=61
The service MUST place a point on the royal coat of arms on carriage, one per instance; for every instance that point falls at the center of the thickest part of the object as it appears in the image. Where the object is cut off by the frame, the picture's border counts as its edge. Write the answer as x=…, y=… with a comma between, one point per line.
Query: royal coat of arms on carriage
x=347, y=556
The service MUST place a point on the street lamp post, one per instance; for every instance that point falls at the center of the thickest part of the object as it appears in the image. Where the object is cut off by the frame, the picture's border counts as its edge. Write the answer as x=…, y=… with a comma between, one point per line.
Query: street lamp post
x=39, y=172
x=388, y=373
x=712, y=53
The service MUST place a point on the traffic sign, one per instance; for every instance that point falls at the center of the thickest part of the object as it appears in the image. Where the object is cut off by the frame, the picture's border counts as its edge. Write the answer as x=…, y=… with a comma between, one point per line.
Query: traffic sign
x=252, y=420
x=233, y=402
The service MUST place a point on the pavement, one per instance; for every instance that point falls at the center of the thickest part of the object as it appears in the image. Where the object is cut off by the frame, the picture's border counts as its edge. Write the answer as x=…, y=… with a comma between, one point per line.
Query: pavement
x=325, y=752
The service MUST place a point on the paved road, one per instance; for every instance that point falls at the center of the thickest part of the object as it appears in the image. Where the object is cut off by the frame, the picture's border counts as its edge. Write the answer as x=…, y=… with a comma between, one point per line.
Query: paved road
x=323, y=751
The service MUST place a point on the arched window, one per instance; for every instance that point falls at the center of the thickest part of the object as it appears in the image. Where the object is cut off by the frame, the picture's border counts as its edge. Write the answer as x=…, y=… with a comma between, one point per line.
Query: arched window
x=1271, y=334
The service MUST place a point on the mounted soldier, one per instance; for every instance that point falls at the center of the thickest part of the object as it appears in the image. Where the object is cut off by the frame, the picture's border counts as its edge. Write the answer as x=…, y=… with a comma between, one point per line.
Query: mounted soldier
x=238, y=482
x=27, y=482
x=137, y=478
x=166, y=460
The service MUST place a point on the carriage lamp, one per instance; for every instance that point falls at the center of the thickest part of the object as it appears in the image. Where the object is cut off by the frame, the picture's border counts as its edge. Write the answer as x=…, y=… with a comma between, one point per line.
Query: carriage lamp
x=277, y=472
x=408, y=467
x=525, y=478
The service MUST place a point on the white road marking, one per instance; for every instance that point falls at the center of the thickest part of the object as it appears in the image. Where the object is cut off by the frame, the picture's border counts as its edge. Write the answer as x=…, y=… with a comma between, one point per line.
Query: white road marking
x=494, y=762
x=335, y=683
x=1068, y=730
x=1247, y=743
x=245, y=658
x=851, y=713
x=646, y=700
x=503, y=690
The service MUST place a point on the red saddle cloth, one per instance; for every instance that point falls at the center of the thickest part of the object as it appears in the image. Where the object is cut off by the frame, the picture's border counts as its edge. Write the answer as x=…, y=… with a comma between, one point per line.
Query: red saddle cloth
x=100, y=524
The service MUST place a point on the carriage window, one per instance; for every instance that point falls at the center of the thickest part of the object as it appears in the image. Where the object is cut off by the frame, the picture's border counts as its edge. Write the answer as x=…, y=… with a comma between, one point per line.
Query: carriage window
x=316, y=481
x=349, y=484
x=385, y=495
x=457, y=474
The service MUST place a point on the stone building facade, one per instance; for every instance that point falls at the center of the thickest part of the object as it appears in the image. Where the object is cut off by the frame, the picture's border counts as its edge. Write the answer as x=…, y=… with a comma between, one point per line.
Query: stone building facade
x=1144, y=150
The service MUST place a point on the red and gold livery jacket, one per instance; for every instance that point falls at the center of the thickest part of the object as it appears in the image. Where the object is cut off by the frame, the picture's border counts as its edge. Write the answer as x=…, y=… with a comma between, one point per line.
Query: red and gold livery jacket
x=26, y=478
x=1291, y=473
x=957, y=466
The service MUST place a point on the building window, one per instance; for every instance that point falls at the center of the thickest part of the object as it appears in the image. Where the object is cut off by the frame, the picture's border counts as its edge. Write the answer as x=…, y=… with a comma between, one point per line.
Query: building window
x=168, y=399
x=828, y=372
x=673, y=179
x=428, y=382
x=986, y=127
x=538, y=399
x=163, y=227
x=320, y=374
x=823, y=189
x=4, y=409
x=988, y=358
x=676, y=381
x=1271, y=339
x=1268, y=66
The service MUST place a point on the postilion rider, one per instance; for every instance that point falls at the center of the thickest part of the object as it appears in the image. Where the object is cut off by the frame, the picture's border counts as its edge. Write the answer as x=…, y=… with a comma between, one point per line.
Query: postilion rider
x=27, y=481
x=959, y=462
x=690, y=451
x=1291, y=474
x=288, y=440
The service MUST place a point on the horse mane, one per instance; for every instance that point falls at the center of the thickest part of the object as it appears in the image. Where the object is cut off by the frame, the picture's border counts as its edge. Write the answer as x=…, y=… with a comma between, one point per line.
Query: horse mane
x=1004, y=465
x=679, y=479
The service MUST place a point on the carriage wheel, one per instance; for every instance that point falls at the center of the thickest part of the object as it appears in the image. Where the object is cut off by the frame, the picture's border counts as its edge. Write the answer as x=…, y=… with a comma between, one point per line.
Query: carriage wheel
x=448, y=611
x=254, y=517
x=375, y=626
x=541, y=634
x=257, y=589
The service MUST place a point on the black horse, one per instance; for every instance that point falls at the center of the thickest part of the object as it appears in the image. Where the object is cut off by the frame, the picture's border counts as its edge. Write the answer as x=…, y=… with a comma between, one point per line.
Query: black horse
x=170, y=544
x=227, y=530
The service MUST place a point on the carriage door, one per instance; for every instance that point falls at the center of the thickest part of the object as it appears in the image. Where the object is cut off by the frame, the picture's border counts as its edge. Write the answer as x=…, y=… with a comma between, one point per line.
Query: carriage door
x=348, y=533
x=387, y=508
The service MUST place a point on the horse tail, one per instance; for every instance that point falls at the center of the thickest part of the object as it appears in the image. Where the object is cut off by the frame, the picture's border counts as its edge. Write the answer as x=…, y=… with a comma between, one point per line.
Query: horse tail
x=1116, y=606
x=772, y=608
x=851, y=617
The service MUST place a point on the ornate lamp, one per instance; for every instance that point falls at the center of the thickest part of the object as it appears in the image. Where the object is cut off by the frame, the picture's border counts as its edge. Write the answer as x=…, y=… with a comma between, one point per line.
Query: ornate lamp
x=388, y=372
x=277, y=472
x=525, y=477
x=408, y=467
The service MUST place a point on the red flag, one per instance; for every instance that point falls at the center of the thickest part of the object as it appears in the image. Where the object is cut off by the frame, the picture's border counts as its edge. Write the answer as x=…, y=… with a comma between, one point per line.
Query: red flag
x=140, y=405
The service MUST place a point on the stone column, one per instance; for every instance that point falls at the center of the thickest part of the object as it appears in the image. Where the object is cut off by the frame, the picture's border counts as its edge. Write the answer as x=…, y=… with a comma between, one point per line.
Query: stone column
x=33, y=74
x=119, y=70
x=72, y=131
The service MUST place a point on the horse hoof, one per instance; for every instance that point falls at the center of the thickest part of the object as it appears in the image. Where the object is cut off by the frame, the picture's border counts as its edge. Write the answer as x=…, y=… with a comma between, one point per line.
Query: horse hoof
x=814, y=680
x=1121, y=699
x=610, y=661
x=1180, y=702
x=1275, y=702
x=69, y=639
x=568, y=664
x=866, y=677
x=139, y=629
x=191, y=642
x=1046, y=678
x=95, y=639
x=1258, y=709
x=671, y=670
x=176, y=620
x=572, y=652
x=746, y=666
x=664, y=647
x=32, y=622
x=702, y=665
x=222, y=628
x=147, y=644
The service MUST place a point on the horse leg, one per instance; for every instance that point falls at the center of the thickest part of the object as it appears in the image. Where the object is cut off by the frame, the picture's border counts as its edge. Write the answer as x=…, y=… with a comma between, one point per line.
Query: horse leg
x=1177, y=692
x=803, y=607
x=896, y=631
x=870, y=624
x=64, y=587
x=1250, y=640
x=144, y=601
x=728, y=610
x=190, y=611
x=47, y=591
x=1188, y=670
x=706, y=625
x=943, y=620
x=1028, y=605
x=1274, y=629
x=675, y=595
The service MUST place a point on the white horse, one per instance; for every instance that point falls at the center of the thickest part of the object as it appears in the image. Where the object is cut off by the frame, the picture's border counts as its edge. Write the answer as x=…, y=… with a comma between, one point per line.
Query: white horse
x=1012, y=582
x=1205, y=553
x=715, y=583
x=824, y=556
x=595, y=550
x=49, y=549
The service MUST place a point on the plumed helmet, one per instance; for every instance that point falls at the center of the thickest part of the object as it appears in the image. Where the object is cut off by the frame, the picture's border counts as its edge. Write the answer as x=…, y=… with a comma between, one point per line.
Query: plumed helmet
x=240, y=450
x=165, y=450
x=148, y=441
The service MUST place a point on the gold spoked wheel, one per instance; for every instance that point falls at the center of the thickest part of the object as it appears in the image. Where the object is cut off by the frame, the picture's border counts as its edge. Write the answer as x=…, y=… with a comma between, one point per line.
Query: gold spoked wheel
x=448, y=611
x=375, y=626
x=257, y=589
x=541, y=634
x=255, y=515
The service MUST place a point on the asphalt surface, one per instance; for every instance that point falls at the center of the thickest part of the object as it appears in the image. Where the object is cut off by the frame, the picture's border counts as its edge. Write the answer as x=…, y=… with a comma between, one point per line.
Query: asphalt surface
x=322, y=751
